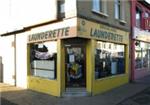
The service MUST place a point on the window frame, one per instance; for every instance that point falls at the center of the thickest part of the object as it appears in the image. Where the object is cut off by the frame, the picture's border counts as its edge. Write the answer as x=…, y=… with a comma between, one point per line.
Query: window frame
x=139, y=58
x=119, y=13
x=102, y=57
x=139, y=11
x=100, y=7
x=61, y=8
x=117, y=9
x=32, y=69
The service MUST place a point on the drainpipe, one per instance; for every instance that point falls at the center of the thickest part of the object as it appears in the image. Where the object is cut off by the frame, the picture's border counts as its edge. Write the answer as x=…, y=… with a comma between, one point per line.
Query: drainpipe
x=15, y=72
x=132, y=41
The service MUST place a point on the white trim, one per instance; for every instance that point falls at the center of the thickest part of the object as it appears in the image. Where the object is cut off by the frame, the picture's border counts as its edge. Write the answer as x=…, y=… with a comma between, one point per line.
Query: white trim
x=122, y=21
x=100, y=13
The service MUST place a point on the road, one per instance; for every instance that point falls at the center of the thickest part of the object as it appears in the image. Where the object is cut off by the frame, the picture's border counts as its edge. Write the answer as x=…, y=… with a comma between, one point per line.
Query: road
x=142, y=98
x=6, y=102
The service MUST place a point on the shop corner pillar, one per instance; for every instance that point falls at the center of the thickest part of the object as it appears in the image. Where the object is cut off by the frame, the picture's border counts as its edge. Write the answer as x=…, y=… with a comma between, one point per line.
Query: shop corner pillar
x=90, y=65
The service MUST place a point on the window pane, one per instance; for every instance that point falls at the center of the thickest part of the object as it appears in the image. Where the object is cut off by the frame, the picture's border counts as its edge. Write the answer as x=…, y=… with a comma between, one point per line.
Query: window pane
x=138, y=18
x=146, y=14
x=104, y=6
x=109, y=59
x=142, y=55
x=117, y=9
x=96, y=5
x=62, y=7
x=43, y=57
x=122, y=12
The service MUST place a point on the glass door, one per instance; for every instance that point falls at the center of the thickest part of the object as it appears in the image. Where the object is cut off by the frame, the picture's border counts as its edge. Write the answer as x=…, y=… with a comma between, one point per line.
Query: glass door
x=75, y=66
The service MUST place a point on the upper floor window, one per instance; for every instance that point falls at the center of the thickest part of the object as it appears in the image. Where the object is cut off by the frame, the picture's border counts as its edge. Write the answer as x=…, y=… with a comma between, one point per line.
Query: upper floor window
x=97, y=5
x=147, y=14
x=117, y=9
x=61, y=10
x=100, y=6
x=62, y=6
x=138, y=17
x=120, y=9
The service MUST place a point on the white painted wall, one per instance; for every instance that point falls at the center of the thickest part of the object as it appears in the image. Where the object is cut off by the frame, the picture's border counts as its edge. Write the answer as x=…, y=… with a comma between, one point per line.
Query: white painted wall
x=7, y=53
x=70, y=8
x=21, y=60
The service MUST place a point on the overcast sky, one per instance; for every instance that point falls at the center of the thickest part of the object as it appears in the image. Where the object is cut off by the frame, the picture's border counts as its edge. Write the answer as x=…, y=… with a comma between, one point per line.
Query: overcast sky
x=148, y=1
x=20, y=13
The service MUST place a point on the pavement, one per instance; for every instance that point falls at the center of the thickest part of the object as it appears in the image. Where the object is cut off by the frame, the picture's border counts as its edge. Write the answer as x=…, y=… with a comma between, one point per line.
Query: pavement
x=135, y=93
x=142, y=98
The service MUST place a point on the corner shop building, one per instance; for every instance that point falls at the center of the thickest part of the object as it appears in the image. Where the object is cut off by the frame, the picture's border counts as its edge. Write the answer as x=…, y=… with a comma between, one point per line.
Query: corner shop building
x=74, y=53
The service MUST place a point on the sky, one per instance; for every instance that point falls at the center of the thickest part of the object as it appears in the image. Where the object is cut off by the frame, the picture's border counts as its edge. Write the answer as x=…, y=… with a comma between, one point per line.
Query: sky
x=16, y=14
x=148, y=1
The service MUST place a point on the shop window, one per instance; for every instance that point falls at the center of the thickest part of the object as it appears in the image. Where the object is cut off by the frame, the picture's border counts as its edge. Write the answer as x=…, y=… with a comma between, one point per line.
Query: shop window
x=43, y=59
x=108, y=61
x=100, y=6
x=138, y=17
x=142, y=55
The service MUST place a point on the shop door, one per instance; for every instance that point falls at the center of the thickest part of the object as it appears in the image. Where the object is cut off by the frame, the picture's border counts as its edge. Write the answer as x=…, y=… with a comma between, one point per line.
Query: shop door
x=75, y=66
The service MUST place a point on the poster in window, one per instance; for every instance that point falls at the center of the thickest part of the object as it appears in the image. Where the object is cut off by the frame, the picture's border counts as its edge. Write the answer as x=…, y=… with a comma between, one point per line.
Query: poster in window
x=71, y=58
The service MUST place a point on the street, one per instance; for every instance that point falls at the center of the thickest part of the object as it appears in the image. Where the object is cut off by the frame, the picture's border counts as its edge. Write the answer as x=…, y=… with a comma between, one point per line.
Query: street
x=130, y=94
x=142, y=98
x=6, y=102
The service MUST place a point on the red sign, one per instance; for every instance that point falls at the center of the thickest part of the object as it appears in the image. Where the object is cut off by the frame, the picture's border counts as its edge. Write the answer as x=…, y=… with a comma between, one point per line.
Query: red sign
x=147, y=23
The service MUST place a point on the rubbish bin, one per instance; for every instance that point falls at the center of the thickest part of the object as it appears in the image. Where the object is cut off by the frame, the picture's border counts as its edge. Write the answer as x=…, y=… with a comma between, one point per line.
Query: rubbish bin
x=114, y=68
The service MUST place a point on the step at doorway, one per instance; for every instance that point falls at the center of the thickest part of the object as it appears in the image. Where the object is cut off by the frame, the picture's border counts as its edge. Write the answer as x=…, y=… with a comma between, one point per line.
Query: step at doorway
x=75, y=92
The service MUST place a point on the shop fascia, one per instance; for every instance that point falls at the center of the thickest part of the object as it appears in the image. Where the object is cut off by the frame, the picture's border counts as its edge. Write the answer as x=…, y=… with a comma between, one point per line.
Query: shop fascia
x=85, y=29
x=106, y=35
x=51, y=34
x=93, y=30
x=142, y=35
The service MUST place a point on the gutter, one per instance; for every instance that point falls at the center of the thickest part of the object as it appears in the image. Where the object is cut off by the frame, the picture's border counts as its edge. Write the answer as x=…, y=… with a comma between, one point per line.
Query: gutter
x=28, y=28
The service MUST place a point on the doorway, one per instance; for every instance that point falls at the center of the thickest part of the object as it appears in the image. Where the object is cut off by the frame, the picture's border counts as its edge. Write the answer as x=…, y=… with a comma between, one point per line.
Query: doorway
x=75, y=66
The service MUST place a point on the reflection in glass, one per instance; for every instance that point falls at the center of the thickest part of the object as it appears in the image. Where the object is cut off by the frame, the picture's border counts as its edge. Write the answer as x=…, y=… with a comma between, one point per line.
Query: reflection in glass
x=109, y=59
x=43, y=57
x=138, y=17
x=142, y=55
